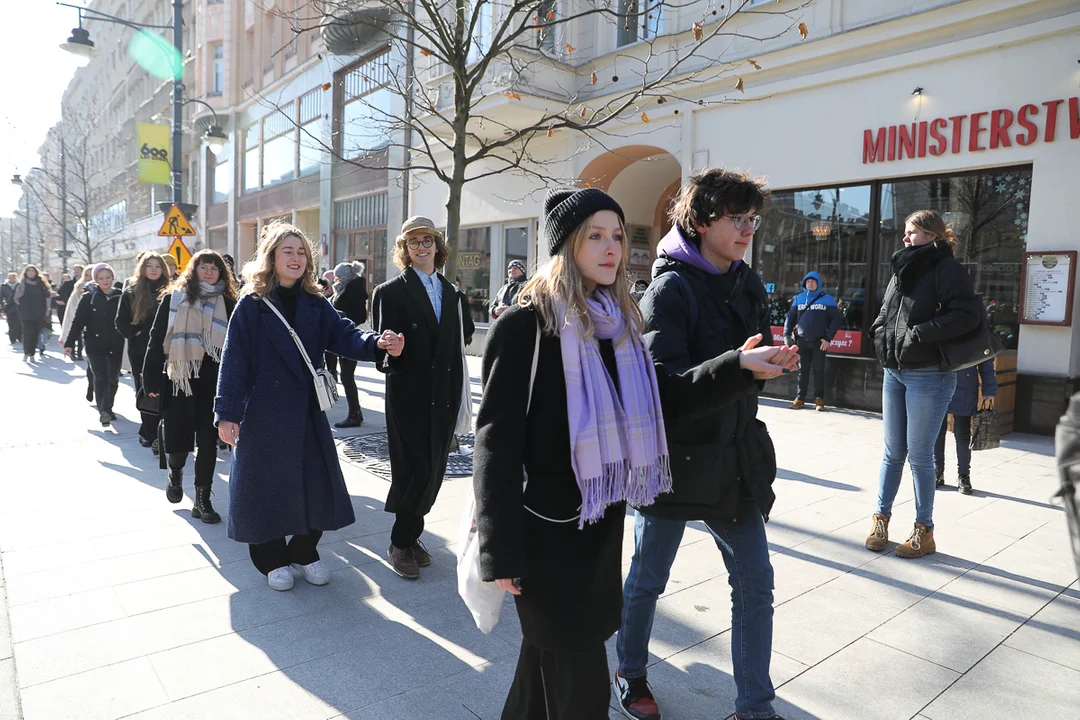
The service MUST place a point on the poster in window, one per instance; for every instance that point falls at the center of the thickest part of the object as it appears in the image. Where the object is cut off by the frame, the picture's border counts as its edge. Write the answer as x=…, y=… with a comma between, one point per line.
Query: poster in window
x=640, y=253
x=1046, y=287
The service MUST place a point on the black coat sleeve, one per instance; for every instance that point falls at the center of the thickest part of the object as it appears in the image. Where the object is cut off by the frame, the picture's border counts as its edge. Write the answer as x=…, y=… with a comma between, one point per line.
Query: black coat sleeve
x=124, y=320
x=468, y=327
x=666, y=309
x=699, y=391
x=352, y=303
x=500, y=445
x=960, y=305
x=82, y=317
x=154, y=364
x=386, y=315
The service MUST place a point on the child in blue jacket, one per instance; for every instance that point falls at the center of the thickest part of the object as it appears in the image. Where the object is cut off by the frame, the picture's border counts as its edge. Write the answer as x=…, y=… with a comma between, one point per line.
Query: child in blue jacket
x=965, y=402
x=812, y=322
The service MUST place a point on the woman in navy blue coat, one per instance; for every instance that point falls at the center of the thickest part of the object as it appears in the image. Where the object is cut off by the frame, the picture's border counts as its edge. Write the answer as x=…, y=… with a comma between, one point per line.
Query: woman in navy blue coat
x=285, y=480
x=965, y=402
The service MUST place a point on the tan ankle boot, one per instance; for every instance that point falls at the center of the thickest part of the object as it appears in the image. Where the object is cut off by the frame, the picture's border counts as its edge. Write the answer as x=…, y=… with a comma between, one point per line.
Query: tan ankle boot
x=920, y=543
x=879, y=533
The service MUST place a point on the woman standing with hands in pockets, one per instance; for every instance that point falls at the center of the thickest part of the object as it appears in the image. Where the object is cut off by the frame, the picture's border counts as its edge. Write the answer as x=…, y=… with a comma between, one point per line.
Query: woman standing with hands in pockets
x=589, y=438
x=286, y=480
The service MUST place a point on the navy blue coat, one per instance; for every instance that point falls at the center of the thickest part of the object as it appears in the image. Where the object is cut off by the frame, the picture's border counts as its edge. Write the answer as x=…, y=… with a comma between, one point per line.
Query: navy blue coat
x=285, y=478
x=965, y=400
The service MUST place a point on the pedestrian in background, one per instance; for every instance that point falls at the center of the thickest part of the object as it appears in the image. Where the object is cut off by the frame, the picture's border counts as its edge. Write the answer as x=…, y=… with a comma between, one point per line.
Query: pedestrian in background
x=64, y=293
x=32, y=295
x=812, y=322
x=134, y=319
x=10, y=309
x=965, y=402
x=516, y=277
x=326, y=286
x=423, y=387
x=286, y=479
x=350, y=299
x=181, y=367
x=76, y=297
x=929, y=300
x=96, y=315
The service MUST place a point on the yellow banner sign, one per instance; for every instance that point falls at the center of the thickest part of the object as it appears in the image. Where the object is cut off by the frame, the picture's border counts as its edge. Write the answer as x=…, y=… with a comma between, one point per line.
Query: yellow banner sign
x=153, y=154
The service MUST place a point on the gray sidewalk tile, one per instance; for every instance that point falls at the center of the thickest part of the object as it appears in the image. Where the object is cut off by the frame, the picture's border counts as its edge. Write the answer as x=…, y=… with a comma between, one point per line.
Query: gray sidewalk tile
x=5, y=629
x=9, y=691
x=951, y=631
x=796, y=573
x=107, y=692
x=817, y=624
x=65, y=613
x=49, y=557
x=864, y=680
x=896, y=582
x=1010, y=681
x=1054, y=632
x=268, y=697
x=186, y=587
x=1019, y=594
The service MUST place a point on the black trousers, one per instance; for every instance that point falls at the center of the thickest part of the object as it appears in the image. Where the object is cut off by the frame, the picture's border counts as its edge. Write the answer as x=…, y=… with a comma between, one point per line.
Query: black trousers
x=406, y=530
x=300, y=549
x=148, y=428
x=14, y=325
x=106, y=369
x=348, y=381
x=812, y=360
x=31, y=330
x=962, y=431
x=331, y=363
x=559, y=685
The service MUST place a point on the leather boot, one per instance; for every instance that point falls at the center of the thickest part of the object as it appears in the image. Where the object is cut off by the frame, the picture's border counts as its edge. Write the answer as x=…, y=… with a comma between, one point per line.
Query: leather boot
x=920, y=543
x=175, y=489
x=879, y=533
x=351, y=421
x=203, y=509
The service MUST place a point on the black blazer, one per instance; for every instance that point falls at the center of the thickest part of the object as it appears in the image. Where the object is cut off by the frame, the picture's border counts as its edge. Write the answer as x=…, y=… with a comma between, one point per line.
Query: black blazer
x=96, y=314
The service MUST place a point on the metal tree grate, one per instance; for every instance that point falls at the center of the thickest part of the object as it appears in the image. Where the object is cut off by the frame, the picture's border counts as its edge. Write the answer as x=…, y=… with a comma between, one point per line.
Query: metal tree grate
x=372, y=453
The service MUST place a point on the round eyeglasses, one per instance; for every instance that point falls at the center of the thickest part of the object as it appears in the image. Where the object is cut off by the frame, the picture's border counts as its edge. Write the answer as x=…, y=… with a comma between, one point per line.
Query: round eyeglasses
x=415, y=244
x=742, y=220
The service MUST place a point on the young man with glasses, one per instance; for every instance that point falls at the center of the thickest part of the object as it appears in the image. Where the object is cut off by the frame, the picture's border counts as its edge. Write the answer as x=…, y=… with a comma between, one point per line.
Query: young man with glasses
x=423, y=385
x=704, y=301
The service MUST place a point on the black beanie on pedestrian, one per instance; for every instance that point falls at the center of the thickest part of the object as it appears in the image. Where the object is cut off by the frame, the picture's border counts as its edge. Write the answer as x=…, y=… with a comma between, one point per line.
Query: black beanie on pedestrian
x=564, y=210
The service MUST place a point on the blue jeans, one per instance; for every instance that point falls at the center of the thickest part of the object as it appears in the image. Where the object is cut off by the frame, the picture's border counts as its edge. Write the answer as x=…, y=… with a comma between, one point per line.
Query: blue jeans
x=913, y=405
x=750, y=574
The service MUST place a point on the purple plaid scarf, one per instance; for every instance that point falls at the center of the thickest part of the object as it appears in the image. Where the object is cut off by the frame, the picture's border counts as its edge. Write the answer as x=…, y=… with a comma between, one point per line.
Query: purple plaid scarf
x=617, y=442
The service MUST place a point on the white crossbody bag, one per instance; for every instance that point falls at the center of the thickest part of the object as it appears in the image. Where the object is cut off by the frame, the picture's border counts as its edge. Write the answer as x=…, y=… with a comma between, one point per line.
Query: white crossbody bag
x=325, y=385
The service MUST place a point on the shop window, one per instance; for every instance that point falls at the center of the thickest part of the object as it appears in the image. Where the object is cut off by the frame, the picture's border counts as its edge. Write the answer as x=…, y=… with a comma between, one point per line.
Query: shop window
x=517, y=244
x=252, y=181
x=988, y=212
x=639, y=20
x=310, y=148
x=474, y=269
x=222, y=187
x=365, y=108
x=279, y=149
x=360, y=234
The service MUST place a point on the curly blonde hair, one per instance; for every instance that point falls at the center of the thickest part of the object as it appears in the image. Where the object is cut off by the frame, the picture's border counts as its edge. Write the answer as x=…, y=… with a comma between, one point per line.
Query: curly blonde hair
x=259, y=271
x=559, y=280
x=401, y=253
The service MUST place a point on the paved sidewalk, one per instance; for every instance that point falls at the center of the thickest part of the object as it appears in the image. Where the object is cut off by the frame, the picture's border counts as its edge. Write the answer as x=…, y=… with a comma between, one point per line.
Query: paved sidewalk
x=121, y=606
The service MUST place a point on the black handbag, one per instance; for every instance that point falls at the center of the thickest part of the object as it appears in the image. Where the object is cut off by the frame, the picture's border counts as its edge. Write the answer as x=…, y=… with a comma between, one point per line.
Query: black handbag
x=971, y=348
x=146, y=404
x=985, y=431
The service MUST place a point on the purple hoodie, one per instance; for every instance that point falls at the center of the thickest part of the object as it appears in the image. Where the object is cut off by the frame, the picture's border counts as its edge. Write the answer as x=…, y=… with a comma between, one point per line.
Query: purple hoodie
x=676, y=247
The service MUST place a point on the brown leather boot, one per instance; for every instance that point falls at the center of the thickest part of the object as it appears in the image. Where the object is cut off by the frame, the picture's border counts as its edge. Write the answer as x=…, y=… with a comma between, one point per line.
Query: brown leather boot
x=879, y=533
x=797, y=403
x=819, y=404
x=920, y=543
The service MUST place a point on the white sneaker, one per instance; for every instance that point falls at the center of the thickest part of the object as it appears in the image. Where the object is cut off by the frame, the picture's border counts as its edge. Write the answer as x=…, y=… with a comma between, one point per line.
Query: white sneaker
x=314, y=573
x=280, y=579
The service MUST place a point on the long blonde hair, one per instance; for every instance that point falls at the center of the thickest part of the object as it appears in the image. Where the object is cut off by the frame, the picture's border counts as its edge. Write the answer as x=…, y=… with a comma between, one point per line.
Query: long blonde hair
x=559, y=281
x=259, y=271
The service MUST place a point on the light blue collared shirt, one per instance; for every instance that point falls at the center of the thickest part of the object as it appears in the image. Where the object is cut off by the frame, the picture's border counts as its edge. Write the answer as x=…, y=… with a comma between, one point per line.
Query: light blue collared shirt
x=434, y=291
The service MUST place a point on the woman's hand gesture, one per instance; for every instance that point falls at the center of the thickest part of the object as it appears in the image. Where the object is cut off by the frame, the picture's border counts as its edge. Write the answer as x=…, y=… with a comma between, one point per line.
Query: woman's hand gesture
x=769, y=361
x=392, y=342
x=512, y=586
x=228, y=432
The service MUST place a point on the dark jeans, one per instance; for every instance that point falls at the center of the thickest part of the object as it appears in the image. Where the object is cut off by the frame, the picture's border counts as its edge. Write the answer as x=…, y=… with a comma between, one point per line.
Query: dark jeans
x=348, y=381
x=14, y=326
x=559, y=685
x=811, y=360
x=106, y=369
x=962, y=431
x=406, y=530
x=750, y=574
x=271, y=555
x=31, y=335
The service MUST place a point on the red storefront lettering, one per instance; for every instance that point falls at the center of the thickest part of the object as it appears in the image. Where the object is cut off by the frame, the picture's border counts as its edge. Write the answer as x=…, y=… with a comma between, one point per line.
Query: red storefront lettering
x=922, y=139
x=873, y=147
x=957, y=131
x=1051, y=119
x=907, y=141
x=1074, y=118
x=936, y=127
x=1022, y=119
x=892, y=143
x=976, y=128
x=1000, y=121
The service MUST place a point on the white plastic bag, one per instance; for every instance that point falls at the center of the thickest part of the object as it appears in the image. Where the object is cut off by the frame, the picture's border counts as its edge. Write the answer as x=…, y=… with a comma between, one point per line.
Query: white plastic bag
x=463, y=426
x=484, y=599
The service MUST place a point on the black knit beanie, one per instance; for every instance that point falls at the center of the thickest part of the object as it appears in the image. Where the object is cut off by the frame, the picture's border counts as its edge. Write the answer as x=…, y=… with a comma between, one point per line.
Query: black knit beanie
x=564, y=210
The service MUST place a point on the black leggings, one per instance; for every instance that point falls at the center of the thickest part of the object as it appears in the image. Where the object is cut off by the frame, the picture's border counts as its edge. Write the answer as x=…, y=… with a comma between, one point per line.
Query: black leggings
x=106, y=367
x=31, y=335
x=348, y=380
x=300, y=549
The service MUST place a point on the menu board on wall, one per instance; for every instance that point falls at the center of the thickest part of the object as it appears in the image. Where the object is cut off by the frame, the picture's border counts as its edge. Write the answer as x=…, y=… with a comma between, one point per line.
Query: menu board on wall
x=1046, y=287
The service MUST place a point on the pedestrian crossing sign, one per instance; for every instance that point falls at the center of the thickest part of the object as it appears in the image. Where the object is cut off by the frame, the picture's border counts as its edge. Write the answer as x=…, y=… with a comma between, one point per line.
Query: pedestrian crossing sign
x=179, y=251
x=175, y=224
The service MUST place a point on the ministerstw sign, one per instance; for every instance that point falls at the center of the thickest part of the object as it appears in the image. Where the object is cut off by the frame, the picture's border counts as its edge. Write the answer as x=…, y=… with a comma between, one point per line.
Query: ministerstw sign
x=974, y=132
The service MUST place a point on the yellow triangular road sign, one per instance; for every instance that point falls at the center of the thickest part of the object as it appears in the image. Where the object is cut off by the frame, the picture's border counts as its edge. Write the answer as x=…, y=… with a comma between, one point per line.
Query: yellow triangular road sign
x=175, y=224
x=179, y=251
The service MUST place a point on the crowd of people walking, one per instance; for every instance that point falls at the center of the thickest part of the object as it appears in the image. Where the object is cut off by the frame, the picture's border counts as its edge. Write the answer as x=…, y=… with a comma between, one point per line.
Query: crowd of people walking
x=600, y=398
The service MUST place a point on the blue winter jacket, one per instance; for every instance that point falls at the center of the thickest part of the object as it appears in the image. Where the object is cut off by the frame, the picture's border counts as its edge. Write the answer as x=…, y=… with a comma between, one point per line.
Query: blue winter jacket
x=815, y=312
x=965, y=400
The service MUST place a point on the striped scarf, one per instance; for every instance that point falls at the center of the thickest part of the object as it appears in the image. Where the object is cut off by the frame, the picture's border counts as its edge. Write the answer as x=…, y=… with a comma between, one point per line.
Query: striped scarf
x=618, y=446
x=195, y=330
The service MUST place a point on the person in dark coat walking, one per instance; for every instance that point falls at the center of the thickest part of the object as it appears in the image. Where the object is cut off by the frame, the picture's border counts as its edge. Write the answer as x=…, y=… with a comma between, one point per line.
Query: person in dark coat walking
x=181, y=367
x=286, y=479
x=704, y=302
x=811, y=323
x=589, y=438
x=10, y=309
x=32, y=295
x=350, y=299
x=516, y=277
x=63, y=294
x=424, y=387
x=929, y=300
x=965, y=402
x=134, y=319
x=96, y=316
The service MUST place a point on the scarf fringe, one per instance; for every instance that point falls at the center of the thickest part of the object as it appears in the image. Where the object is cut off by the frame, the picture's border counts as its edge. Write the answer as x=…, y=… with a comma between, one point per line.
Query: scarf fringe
x=637, y=486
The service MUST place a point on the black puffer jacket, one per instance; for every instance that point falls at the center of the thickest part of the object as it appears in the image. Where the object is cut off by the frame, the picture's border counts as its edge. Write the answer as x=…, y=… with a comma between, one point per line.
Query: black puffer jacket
x=96, y=314
x=929, y=300
x=723, y=458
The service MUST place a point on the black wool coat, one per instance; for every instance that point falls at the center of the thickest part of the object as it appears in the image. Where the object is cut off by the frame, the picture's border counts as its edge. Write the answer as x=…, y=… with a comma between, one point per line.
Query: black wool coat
x=423, y=386
x=352, y=302
x=726, y=457
x=136, y=333
x=930, y=299
x=96, y=315
x=571, y=579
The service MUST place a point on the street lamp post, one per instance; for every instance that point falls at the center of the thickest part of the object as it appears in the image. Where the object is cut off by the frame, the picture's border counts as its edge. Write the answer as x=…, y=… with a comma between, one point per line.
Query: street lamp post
x=64, y=253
